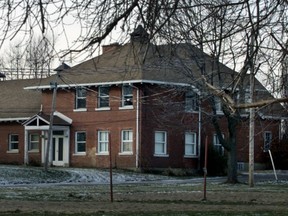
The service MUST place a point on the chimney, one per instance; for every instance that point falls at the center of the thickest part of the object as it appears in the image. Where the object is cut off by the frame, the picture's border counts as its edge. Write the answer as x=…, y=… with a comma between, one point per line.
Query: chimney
x=139, y=35
x=110, y=47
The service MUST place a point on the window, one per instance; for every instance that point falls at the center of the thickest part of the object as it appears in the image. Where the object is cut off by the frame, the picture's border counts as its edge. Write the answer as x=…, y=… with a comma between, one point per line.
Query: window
x=217, y=145
x=103, y=142
x=190, y=144
x=218, y=105
x=13, y=142
x=160, y=143
x=103, y=96
x=127, y=95
x=81, y=94
x=33, y=142
x=126, y=141
x=267, y=140
x=191, y=101
x=80, y=145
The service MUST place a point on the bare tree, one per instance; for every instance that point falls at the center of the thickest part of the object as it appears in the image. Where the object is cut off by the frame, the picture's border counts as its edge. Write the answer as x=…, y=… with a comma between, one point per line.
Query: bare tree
x=245, y=35
x=32, y=60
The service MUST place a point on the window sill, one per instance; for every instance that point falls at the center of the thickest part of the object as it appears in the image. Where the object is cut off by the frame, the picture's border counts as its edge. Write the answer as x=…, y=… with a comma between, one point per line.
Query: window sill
x=126, y=108
x=80, y=110
x=190, y=156
x=191, y=111
x=103, y=109
x=13, y=151
x=161, y=155
x=102, y=154
x=34, y=151
x=80, y=154
x=125, y=153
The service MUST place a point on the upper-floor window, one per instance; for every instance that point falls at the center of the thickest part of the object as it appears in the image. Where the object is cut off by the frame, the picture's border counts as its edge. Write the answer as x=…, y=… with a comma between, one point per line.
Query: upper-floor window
x=191, y=101
x=217, y=144
x=160, y=143
x=103, y=142
x=218, y=105
x=126, y=141
x=80, y=100
x=190, y=144
x=127, y=95
x=80, y=142
x=267, y=140
x=103, y=96
x=33, y=142
x=13, y=142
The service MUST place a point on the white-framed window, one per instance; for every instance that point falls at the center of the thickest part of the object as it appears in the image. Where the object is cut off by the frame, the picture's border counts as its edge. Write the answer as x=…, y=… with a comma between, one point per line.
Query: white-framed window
x=80, y=142
x=127, y=95
x=191, y=101
x=34, y=141
x=217, y=145
x=218, y=105
x=160, y=143
x=267, y=140
x=103, y=142
x=80, y=100
x=126, y=141
x=190, y=144
x=103, y=96
x=13, y=142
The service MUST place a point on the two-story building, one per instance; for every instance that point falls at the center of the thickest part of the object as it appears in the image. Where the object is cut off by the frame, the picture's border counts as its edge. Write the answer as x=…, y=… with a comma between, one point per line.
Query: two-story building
x=135, y=105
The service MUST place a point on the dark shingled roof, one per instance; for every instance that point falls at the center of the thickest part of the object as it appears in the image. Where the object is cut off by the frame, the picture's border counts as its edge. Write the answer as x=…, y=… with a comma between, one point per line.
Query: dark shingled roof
x=15, y=102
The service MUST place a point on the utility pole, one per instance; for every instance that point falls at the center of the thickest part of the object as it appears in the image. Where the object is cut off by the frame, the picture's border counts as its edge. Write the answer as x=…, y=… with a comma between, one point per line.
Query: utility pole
x=50, y=132
x=252, y=114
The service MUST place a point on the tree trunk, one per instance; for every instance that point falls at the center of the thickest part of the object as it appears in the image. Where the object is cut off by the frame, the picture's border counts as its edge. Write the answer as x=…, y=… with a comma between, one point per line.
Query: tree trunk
x=232, y=153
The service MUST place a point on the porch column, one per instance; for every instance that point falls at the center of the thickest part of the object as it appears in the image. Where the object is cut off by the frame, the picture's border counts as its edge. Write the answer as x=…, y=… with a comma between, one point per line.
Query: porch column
x=26, y=161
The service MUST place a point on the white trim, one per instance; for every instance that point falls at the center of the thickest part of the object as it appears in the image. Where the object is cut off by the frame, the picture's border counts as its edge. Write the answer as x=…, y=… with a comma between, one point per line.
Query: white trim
x=103, y=109
x=110, y=83
x=64, y=117
x=80, y=110
x=14, y=119
x=130, y=107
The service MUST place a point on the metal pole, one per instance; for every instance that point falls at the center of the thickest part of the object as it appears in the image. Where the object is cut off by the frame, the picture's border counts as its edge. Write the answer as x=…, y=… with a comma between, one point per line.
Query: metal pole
x=110, y=161
x=205, y=167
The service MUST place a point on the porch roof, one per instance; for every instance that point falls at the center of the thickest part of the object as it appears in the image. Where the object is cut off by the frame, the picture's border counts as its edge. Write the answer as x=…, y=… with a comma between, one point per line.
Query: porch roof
x=42, y=119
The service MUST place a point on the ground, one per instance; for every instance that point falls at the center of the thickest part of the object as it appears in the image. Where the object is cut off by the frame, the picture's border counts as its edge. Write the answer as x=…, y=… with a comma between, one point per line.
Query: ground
x=88, y=191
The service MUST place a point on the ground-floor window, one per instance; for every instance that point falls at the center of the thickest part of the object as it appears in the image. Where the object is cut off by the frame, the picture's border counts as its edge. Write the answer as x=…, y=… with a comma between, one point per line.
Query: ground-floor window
x=13, y=142
x=160, y=143
x=190, y=144
x=103, y=142
x=80, y=144
x=267, y=140
x=217, y=145
x=33, y=142
x=126, y=141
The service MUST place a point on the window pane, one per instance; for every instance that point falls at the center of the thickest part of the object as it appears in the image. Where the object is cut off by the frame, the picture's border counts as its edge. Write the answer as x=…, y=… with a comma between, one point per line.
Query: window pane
x=14, y=138
x=160, y=143
x=81, y=147
x=81, y=92
x=81, y=136
x=127, y=140
x=127, y=96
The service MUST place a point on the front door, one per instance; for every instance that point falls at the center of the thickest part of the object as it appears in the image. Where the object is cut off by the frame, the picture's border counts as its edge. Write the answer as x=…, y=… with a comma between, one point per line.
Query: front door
x=58, y=151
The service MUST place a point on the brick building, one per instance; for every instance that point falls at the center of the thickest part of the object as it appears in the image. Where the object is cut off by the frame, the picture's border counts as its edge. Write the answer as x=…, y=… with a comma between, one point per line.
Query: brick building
x=135, y=105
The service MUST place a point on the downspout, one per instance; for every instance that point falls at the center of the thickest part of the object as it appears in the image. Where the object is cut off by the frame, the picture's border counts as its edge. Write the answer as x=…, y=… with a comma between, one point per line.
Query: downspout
x=199, y=132
x=137, y=128
x=25, y=146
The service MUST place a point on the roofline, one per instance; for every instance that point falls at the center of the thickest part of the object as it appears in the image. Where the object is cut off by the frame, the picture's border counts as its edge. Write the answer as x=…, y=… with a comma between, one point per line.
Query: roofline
x=109, y=83
x=14, y=119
